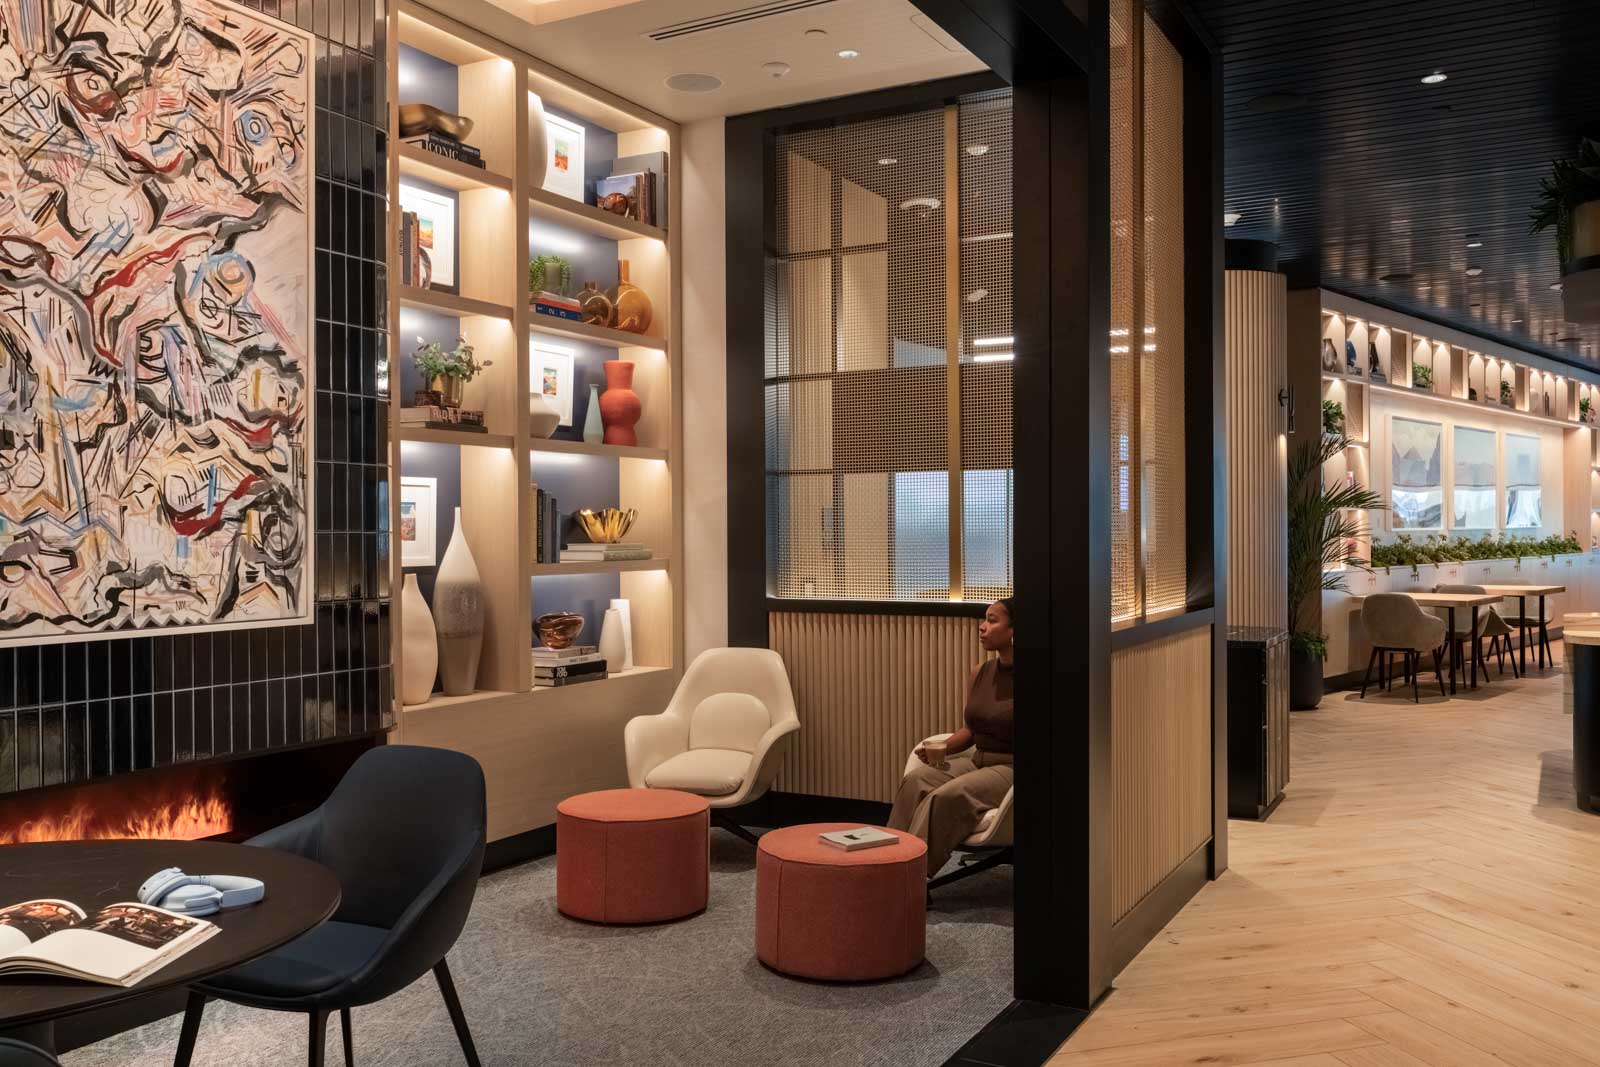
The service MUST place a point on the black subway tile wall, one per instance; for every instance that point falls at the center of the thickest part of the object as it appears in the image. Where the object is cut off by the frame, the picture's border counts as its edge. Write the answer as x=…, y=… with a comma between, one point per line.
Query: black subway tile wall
x=80, y=711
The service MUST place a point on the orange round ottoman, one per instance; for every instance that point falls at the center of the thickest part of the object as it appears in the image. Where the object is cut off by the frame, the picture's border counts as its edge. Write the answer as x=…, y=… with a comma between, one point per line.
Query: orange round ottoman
x=632, y=855
x=822, y=912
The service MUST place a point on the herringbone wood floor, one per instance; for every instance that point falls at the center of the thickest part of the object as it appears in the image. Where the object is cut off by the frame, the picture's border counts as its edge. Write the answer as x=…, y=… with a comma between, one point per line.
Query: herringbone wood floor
x=1426, y=894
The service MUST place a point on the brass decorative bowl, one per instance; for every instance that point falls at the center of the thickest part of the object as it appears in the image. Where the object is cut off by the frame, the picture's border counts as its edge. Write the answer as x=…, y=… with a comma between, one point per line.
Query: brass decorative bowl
x=418, y=119
x=558, y=629
x=608, y=526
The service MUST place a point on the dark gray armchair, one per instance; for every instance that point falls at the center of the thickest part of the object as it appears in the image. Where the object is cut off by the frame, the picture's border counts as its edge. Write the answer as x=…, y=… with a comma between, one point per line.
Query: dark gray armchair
x=15, y=1053
x=404, y=831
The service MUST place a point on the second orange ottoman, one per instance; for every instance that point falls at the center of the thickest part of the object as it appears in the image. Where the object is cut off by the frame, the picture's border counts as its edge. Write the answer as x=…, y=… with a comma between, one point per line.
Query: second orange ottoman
x=632, y=855
x=822, y=912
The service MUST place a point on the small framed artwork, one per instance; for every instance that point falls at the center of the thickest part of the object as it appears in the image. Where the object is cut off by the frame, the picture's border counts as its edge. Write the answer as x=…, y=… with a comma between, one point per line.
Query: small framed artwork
x=563, y=173
x=418, y=514
x=552, y=375
x=436, y=231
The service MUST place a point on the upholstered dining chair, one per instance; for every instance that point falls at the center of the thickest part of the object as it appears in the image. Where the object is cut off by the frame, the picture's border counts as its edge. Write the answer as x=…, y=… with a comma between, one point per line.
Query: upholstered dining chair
x=1396, y=624
x=404, y=832
x=1490, y=624
x=990, y=842
x=723, y=736
x=15, y=1053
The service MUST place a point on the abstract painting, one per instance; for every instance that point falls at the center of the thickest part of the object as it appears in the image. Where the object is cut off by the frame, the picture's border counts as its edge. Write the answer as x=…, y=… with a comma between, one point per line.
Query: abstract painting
x=155, y=283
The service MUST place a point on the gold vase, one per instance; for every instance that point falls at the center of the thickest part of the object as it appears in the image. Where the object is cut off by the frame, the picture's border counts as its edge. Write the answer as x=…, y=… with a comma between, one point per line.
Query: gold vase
x=631, y=307
x=596, y=306
x=450, y=388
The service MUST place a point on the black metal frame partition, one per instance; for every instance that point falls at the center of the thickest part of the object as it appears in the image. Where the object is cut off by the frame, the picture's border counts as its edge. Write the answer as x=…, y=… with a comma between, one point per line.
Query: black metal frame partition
x=1066, y=949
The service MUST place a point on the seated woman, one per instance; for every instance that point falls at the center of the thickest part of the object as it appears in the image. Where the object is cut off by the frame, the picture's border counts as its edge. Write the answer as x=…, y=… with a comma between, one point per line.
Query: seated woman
x=943, y=804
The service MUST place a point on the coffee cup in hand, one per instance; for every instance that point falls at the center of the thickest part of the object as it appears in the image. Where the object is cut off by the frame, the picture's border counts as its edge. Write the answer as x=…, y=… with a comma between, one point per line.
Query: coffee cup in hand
x=936, y=751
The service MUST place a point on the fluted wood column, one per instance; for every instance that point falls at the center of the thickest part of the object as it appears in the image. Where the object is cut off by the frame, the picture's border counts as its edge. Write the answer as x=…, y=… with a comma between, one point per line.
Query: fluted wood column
x=1257, y=369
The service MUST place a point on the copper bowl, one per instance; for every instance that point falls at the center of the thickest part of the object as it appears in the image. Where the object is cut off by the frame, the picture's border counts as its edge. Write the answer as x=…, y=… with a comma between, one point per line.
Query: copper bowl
x=418, y=119
x=558, y=629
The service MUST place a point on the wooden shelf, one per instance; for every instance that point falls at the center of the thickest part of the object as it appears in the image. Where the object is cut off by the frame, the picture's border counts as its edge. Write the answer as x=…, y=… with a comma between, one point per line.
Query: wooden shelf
x=614, y=676
x=614, y=566
x=1477, y=405
x=439, y=701
x=429, y=435
x=431, y=167
x=564, y=211
x=584, y=448
x=457, y=307
x=599, y=335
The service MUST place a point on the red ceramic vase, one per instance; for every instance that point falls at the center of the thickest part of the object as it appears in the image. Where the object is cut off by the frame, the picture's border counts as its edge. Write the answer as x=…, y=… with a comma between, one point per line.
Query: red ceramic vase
x=619, y=404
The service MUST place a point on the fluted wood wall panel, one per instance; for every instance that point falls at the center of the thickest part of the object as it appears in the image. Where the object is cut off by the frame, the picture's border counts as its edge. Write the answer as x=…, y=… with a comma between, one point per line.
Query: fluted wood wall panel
x=1257, y=368
x=868, y=688
x=1161, y=760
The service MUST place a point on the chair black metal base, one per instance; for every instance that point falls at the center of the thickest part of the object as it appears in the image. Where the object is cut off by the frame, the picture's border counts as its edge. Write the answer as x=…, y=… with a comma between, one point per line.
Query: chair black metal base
x=993, y=858
x=316, y=1055
x=1412, y=666
x=1500, y=647
x=727, y=823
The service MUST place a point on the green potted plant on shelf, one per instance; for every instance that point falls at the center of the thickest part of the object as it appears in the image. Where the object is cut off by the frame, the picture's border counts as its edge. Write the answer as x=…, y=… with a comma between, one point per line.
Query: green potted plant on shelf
x=1505, y=392
x=1333, y=418
x=1324, y=527
x=447, y=373
x=1421, y=376
x=1569, y=204
x=1583, y=409
x=549, y=273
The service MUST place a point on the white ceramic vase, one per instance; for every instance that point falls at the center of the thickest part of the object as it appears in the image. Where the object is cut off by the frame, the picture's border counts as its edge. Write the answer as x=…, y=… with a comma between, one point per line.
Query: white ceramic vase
x=622, y=607
x=538, y=142
x=594, y=429
x=543, y=415
x=419, y=646
x=458, y=615
x=612, y=646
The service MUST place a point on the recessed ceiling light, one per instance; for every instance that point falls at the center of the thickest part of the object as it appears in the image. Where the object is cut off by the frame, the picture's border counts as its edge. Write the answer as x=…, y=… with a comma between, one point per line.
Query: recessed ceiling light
x=1435, y=78
x=1474, y=244
x=992, y=357
x=1231, y=217
x=1423, y=288
x=976, y=295
x=977, y=149
x=1556, y=287
x=1397, y=276
x=694, y=83
x=887, y=161
x=776, y=68
x=848, y=53
x=924, y=203
x=990, y=342
x=1473, y=272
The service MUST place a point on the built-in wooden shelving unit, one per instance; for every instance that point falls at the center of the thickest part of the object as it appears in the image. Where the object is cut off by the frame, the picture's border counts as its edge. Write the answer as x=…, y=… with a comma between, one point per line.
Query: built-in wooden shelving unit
x=537, y=745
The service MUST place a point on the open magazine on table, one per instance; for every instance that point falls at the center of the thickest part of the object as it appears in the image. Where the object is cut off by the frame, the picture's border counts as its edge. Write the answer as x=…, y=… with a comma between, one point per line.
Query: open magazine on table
x=118, y=945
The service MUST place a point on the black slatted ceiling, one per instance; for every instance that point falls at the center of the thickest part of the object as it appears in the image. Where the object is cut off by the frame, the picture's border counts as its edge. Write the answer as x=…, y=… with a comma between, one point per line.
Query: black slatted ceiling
x=1377, y=173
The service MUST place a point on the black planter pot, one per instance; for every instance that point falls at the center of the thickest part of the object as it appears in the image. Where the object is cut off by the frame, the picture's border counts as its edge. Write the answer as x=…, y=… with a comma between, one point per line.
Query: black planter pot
x=1305, y=680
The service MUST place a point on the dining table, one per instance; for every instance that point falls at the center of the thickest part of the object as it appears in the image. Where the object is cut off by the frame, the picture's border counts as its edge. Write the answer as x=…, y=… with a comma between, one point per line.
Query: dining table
x=1451, y=603
x=1522, y=593
x=300, y=895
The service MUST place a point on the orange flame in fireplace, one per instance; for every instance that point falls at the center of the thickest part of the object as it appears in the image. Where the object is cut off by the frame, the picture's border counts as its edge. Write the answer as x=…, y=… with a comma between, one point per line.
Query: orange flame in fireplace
x=111, y=815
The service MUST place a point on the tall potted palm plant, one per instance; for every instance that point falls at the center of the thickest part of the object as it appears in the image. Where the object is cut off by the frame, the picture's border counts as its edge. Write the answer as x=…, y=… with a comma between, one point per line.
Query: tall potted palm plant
x=1323, y=525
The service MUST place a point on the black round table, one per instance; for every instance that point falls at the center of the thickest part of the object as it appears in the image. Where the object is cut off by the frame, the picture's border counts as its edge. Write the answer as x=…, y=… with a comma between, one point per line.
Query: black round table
x=91, y=874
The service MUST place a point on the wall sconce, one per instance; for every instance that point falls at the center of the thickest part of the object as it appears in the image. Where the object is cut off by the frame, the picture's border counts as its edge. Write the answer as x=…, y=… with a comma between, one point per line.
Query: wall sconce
x=1286, y=400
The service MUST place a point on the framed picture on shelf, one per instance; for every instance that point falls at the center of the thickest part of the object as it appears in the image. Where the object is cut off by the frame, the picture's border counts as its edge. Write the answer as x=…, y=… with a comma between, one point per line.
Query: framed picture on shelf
x=563, y=172
x=552, y=375
x=435, y=231
x=418, y=513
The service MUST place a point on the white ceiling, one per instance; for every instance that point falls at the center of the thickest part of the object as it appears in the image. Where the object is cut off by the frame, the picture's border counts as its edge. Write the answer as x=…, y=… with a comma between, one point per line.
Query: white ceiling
x=603, y=41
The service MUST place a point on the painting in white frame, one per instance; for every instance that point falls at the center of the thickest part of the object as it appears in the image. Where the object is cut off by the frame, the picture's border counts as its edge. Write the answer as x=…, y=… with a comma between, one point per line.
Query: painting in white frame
x=552, y=376
x=563, y=172
x=436, y=230
x=419, y=514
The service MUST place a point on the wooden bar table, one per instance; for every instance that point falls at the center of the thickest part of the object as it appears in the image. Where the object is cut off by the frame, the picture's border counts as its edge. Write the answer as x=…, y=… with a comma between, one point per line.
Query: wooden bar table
x=1450, y=602
x=1522, y=593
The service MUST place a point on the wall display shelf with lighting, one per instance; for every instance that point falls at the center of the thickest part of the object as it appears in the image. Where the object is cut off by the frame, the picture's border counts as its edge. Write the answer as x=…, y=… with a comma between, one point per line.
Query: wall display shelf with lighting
x=574, y=188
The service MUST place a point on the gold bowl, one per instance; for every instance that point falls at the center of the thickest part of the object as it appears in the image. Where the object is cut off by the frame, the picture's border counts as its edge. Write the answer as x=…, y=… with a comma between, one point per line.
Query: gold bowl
x=559, y=629
x=608, y=526
x=418, y=119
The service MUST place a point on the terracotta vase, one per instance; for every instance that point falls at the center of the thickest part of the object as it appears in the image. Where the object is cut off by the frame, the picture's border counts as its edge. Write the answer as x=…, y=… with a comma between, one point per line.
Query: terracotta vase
x=631, y=306
x=458, y=614
x=419, y=646
x=619, y=404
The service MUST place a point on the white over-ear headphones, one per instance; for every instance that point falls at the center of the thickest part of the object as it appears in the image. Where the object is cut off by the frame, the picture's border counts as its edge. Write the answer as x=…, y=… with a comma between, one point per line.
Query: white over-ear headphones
x=199, y=894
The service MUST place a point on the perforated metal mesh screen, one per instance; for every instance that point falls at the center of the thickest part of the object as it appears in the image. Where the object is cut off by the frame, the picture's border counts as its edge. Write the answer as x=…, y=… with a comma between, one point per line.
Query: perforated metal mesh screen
x=1148, y=565
x=858, y=449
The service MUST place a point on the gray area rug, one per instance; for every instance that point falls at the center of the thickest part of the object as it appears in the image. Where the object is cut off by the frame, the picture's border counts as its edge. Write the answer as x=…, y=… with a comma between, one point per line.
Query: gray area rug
x=542, y=989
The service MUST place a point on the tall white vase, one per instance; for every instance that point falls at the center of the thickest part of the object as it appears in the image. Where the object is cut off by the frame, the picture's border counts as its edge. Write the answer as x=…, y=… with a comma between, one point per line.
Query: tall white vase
x=611, y=642
x=623, y=608
x=458, y=614
x=538, y=142
x=419, y=645
x=594, y=430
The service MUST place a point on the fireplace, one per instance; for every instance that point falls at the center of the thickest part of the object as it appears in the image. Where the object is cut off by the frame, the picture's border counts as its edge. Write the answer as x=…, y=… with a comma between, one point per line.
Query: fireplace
x=231, y=799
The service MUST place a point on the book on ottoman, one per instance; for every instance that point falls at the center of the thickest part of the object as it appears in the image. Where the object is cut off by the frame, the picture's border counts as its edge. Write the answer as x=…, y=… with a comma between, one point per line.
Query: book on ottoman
x=859, y=838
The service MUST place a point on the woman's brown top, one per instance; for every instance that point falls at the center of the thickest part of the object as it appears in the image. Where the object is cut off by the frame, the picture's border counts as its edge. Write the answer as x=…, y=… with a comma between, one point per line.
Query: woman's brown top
x=988, y=712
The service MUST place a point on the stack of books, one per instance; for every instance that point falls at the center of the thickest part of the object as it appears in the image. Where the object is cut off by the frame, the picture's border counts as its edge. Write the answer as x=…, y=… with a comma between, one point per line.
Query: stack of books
x=632, y=196
x=546, y=523
x=554, y=667
x=577, y=552
x=557, y=306
x=436, y=417
x=448, y=147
